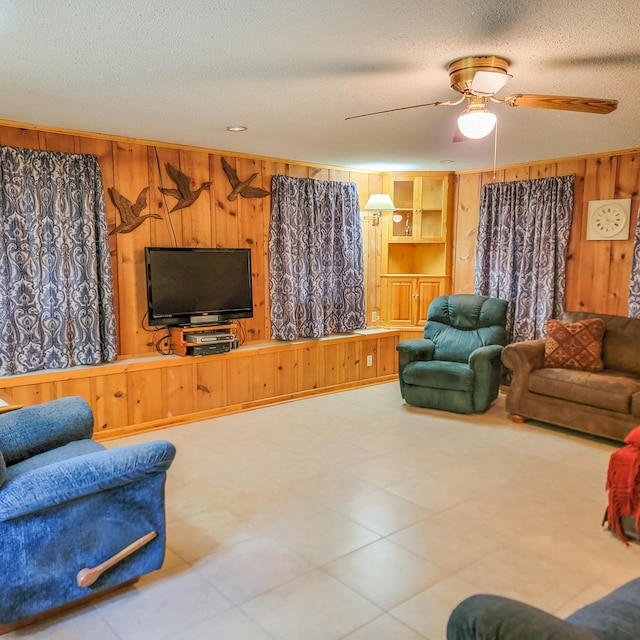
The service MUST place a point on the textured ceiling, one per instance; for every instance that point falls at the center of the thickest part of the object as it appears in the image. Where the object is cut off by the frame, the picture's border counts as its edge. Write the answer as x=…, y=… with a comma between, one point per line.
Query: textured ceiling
x=291, y=71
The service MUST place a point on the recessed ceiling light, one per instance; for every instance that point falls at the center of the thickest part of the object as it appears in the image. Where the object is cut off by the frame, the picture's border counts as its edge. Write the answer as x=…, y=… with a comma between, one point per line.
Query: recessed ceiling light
x=447, y=161
x=235, y=129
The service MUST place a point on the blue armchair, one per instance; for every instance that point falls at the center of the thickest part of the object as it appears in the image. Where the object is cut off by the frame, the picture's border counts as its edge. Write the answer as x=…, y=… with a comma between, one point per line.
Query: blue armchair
x=456, y=366
x=75, y=518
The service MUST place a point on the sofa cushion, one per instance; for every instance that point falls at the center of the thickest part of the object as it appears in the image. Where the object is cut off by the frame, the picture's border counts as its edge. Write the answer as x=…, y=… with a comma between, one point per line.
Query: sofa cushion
x=574, y=345
x=635, y=405
x=604, y=389
x=437, y=374
x=620, y=336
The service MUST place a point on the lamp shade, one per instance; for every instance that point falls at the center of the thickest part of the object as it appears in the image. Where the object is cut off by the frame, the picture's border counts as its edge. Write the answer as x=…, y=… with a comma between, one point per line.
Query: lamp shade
x=476, y=123
x=379, y=202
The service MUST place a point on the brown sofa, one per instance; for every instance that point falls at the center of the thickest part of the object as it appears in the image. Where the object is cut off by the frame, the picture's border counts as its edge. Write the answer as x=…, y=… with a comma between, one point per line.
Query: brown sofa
x=604, y=403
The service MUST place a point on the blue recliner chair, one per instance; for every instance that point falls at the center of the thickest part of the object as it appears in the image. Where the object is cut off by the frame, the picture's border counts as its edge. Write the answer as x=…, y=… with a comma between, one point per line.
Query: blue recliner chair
x=75, y=518
x=456, y=366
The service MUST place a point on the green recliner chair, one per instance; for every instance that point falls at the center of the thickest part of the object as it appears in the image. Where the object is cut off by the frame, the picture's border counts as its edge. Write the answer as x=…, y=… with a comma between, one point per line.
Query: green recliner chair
x=456, y=366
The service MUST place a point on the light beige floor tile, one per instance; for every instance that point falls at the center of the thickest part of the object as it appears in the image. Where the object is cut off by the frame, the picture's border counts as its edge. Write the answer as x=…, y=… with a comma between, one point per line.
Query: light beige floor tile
x=435, y=491
x=230, y=625
x=539, y=580
x=429, y=611
x=199, y=535
x=385, y=573
x=78, y=624
x=157, y=608
x=252, y=567
x=313, y=607
x=384, y=628
x=382, y=471
x=447, y=540
x=596, y=552
x=333, y=487
x=324, y=536
x=383, y=512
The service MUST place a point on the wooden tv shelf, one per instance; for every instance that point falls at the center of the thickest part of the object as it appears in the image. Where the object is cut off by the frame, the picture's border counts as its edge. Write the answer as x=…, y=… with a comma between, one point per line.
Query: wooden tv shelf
x=181, y=347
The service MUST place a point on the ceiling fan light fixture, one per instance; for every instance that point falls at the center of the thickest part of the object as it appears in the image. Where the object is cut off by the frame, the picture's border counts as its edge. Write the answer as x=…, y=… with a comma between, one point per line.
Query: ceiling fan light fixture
x=476, y=121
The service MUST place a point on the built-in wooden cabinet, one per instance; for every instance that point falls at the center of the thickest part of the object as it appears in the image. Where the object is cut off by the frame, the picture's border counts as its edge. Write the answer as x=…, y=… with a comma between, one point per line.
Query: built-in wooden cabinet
x=416, y=247
x=141, y=394
x=408, y=298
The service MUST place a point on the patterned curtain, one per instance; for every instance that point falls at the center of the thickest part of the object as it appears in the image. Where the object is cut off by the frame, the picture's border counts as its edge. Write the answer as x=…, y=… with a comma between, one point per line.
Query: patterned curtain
x=634, y=285
x=521, y=253
x=56, y=292
x=316, y=262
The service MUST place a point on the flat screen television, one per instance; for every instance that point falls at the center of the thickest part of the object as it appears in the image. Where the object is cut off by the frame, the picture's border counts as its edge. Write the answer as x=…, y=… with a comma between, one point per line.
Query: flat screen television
x=190, y=287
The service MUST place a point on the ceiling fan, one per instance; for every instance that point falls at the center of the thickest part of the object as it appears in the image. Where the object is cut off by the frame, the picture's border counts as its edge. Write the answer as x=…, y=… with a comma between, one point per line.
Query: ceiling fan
x=477, y=79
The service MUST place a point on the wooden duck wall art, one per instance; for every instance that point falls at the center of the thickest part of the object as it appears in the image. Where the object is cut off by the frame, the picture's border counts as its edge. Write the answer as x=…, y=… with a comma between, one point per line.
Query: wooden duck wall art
x=130, y=217
x=183, y=192
x=242, y=187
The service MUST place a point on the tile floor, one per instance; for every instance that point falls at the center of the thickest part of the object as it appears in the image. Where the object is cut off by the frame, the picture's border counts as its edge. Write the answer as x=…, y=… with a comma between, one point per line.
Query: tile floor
x=354, y=516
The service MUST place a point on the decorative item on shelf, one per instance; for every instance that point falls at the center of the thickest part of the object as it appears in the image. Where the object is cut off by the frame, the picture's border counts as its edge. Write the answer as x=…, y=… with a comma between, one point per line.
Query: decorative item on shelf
x=130, y=213
x=184, y=194
x=378, y=202
x=609, y=219
x=407, y=227
x=242, y=187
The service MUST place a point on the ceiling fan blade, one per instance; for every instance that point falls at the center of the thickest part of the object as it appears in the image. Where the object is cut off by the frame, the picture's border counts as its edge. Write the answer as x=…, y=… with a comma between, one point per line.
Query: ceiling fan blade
x=458, y=136
x=414, y=106
x=486, y=83
x=564, y=103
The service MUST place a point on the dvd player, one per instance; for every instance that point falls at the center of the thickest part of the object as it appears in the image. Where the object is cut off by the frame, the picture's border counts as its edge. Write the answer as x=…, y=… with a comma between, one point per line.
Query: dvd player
x=209, y=337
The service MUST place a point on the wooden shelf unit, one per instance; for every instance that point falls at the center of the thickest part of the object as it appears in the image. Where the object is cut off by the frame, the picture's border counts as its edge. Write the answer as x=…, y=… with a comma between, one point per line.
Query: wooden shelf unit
x=181, y=347
x=416, y=247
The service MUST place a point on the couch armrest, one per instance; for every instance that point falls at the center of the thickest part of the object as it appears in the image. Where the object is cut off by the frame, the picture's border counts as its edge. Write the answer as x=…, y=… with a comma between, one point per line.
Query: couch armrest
x=482, y=356
x=419, y=349
x=487, y=368
x=38, y=428
x=522, y=358
x=412, y=350
x=70, y=479
x=486, y=617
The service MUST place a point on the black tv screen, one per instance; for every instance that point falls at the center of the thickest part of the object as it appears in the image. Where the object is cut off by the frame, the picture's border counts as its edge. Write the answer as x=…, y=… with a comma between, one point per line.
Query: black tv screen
x=187, y=287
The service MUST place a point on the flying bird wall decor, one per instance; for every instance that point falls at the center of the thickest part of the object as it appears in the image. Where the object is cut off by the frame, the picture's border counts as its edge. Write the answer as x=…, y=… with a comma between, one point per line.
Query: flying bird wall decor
x=130, y=217
x=183, y=193
x=242, y=187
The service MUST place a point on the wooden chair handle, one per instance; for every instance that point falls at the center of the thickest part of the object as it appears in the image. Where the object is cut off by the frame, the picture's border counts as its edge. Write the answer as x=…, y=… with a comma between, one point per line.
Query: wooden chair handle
x=87, y=576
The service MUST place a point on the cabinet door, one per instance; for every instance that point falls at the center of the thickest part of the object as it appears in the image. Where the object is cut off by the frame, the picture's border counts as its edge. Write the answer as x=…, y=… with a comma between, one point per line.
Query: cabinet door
x=426, y=291
x=430, y=222
x=398, y=303
x=403, y=194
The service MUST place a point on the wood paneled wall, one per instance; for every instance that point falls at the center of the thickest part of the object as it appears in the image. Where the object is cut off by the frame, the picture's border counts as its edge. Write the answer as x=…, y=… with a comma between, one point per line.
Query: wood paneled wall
x=598, y=271
x=212, y=221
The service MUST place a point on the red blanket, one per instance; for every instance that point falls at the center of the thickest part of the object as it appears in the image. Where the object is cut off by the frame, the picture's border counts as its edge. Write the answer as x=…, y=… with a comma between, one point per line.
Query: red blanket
x=623, y=485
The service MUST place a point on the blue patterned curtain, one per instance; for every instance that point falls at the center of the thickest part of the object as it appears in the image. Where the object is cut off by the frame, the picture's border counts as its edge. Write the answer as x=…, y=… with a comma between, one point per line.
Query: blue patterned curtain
x=56, y=292
x=521, y=252
x=316, y=262
x=634, y=285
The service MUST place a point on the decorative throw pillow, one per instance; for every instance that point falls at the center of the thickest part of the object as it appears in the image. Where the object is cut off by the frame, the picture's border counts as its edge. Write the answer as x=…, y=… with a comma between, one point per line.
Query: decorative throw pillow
x=574, y=345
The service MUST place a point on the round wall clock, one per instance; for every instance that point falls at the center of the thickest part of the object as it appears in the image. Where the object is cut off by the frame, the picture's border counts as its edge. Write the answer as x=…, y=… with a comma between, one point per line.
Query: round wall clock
x=608, y=220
